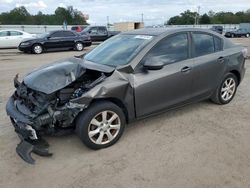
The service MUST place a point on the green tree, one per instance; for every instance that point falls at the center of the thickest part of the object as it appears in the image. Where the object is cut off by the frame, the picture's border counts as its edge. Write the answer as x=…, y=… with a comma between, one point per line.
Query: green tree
x=205, y=19
x=21, y=16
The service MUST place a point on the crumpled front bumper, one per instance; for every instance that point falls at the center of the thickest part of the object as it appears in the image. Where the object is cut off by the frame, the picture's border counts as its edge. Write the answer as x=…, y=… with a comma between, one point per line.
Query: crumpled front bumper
x=30, y=140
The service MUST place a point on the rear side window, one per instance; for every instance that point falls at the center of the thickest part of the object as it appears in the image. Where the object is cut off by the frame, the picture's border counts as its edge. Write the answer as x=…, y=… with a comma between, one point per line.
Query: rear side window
x=68, y=34
x=102, y=31
x=171, y=49
x=15, y=33
x=203, y=44
x=57, y=34
x=217, y=44
x=4, y=34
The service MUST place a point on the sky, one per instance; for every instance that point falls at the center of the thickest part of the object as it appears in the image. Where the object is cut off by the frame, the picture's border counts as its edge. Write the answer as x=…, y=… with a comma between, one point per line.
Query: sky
x=154, y=11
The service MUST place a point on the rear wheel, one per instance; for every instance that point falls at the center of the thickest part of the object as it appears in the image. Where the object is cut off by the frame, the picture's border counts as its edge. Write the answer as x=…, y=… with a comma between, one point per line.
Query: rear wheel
x=226, y=91
x=79, y=46
x=37, y=49
x=101, y=125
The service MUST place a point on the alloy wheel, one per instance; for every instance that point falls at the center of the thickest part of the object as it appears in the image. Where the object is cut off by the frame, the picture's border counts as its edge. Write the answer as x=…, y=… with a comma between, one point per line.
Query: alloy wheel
x=38, y=49
x=79, y=46
x=228, y=89
x=104, y=127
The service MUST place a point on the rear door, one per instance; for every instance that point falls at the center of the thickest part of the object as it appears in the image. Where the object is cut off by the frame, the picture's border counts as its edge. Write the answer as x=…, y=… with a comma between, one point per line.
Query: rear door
x=15, y=38
x=209, y=63
x=4, y=39
x=68, y=39
x=102, y=33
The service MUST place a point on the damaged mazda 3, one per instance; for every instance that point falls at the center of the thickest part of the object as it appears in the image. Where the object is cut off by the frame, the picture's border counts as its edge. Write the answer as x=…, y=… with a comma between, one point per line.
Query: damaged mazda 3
x=130, y=76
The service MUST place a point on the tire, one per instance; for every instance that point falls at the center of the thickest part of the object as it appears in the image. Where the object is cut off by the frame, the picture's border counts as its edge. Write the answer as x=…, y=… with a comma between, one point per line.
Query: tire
x=232, y=35
x=226, y=91
x=96, y=133
x=79, y=46
x=37, y=49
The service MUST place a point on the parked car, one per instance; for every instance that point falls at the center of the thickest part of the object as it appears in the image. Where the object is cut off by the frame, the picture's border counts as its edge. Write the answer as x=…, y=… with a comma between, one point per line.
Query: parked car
x=217, y=28
x=55, y=40
x=99, y=33
x=128, y=77
x=77, y=28
x=12, y=38
x=238, y=33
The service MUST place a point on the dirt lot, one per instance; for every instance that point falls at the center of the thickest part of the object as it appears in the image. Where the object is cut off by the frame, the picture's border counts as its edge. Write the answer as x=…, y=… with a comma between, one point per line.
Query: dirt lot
x=201, y=145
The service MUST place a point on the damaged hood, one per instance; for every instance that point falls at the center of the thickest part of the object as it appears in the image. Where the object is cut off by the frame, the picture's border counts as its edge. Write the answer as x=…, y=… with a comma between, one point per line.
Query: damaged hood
x=53, y=77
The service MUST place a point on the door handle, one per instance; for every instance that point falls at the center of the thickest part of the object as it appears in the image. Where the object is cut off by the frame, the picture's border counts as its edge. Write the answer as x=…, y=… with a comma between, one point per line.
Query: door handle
x=186, y=69
x=221, y=60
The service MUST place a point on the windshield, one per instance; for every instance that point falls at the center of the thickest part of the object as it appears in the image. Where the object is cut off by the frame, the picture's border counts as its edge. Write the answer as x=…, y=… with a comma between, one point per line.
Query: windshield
x=118, y=50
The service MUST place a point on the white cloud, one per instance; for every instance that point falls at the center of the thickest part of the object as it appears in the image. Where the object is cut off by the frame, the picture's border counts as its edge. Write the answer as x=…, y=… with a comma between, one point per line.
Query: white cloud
x=62, y=5
x=6, y=1
x=38, y=4
x=155, y=12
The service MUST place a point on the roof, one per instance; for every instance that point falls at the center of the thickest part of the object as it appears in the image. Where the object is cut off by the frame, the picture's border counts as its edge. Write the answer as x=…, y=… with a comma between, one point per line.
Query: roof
x=159, y=31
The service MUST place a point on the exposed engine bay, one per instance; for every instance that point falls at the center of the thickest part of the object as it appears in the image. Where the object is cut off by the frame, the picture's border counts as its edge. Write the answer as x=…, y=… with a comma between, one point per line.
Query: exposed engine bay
x=52, y=111
x=47, y=109
x=49, y=99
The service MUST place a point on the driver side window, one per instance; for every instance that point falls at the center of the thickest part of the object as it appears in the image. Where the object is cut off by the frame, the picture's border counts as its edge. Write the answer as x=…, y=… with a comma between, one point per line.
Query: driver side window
x=170, y=49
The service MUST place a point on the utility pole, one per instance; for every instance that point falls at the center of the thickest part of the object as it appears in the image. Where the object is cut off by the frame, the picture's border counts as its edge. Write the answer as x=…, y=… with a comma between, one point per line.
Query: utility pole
x=108, y=22
x=198, y=16
x=142, y=20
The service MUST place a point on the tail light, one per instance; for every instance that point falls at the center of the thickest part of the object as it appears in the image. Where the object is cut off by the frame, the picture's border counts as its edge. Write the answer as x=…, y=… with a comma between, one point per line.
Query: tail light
x=244, y=52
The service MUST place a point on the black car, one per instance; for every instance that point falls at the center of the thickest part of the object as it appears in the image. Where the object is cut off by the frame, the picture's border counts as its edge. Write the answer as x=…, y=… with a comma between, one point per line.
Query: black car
x=55, y=40
x=99, y=33
x=238, y=33
x=217, y=28
x=130, y=76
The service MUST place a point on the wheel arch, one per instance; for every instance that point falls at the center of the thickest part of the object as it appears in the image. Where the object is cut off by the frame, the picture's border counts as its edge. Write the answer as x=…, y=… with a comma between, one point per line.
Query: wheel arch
x=38, y=44
x=117, y=102
x=237, y=74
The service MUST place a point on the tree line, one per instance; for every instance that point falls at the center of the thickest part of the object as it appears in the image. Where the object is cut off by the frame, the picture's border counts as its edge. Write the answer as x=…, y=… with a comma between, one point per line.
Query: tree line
x=188, y=17
x=20, y=15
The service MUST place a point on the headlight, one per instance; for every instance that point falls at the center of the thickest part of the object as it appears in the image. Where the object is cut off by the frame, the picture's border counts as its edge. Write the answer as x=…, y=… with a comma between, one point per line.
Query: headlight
x=25, y=43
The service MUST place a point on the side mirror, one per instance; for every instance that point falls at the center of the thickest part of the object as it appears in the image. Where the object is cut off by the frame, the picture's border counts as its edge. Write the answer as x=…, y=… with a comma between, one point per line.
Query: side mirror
x=153, y=65
x=48, y=38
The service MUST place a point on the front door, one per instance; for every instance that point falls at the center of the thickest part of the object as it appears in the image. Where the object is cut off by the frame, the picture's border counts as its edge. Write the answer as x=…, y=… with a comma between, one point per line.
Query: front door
x=54, y=40
x=156, y=90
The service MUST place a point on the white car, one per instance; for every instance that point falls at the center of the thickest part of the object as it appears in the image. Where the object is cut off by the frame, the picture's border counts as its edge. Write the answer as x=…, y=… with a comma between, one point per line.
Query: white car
x=12, y=38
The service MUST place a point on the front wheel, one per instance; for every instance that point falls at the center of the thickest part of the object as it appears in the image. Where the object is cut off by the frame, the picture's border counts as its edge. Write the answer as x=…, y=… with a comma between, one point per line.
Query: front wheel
x=101, y=125
x=226, y=91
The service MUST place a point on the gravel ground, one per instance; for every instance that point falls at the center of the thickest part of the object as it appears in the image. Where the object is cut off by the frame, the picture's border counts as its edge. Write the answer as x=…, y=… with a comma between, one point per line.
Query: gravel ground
x=200, y=145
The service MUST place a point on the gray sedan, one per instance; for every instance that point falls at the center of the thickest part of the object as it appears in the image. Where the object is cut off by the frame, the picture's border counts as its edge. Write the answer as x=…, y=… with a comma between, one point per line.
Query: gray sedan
x=128, y=77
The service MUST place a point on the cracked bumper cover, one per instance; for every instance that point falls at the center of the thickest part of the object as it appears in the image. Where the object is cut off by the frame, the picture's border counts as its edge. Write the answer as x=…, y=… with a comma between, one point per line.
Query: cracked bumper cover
x=30, y=142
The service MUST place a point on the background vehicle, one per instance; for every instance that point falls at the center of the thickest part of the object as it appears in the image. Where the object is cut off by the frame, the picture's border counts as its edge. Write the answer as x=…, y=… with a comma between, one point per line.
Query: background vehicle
x=217, y=28
x=12, y=38
x=130, y=76
x=77, y=28
x=238, y=33
x=99, y=33
x=55, y=40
